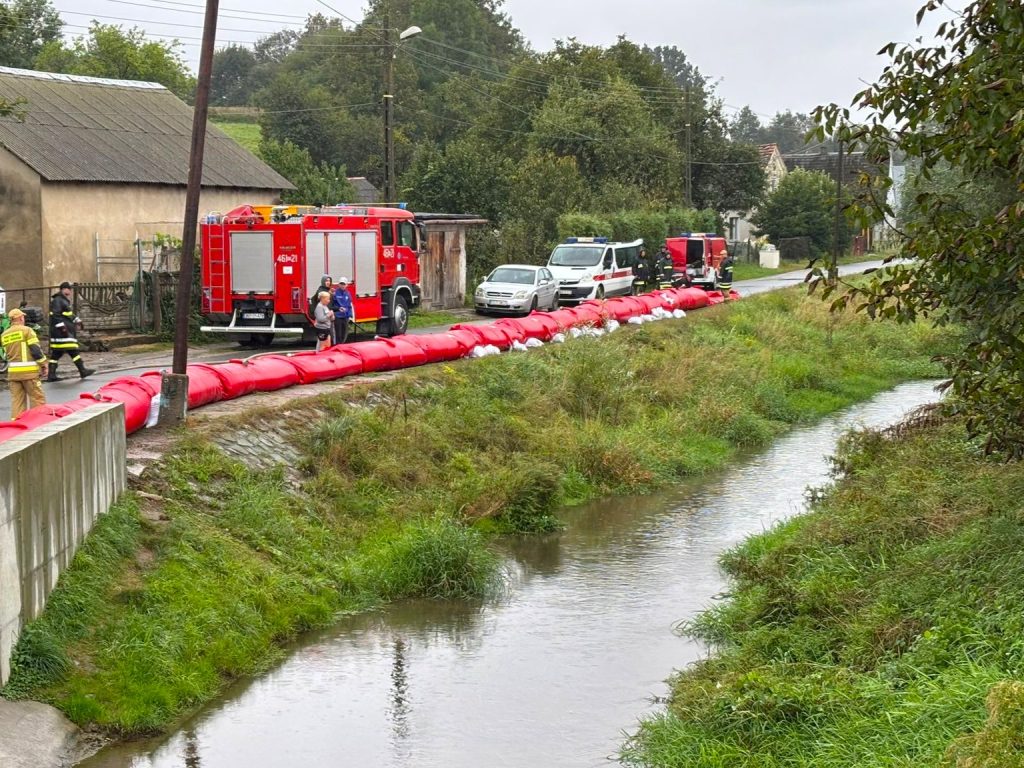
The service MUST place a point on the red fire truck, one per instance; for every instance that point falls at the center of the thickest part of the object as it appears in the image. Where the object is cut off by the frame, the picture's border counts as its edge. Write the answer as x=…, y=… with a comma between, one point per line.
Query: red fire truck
x=696, y=257
x=262, y=264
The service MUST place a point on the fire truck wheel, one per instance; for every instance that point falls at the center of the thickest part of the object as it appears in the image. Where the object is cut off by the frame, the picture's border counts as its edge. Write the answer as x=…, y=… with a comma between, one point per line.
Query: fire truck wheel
x=600, y=292
x=262, y=339
x=400, y=317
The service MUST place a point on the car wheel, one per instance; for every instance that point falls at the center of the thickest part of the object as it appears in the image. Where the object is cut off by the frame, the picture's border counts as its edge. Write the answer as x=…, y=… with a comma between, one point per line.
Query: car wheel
x=533, y=306
x=554, y=302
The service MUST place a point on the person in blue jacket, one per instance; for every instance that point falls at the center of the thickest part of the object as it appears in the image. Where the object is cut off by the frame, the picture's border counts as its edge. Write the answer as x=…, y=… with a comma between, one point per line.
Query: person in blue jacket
x=343, y=311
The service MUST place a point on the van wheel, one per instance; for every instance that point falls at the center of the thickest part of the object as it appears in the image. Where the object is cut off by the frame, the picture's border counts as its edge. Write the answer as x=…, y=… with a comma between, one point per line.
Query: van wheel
x=600, y=292
x=400, y=316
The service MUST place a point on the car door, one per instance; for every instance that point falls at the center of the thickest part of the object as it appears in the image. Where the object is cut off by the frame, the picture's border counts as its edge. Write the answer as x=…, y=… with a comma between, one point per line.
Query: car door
x=546, y=288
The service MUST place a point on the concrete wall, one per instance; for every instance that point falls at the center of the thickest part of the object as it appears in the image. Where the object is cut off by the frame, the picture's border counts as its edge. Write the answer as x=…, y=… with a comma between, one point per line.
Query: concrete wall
x=20, y=214
x=73, y=214
x=55, y=481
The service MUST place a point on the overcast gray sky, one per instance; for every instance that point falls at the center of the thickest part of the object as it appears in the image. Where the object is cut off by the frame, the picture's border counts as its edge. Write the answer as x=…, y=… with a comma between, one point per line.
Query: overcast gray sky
x=771, y=54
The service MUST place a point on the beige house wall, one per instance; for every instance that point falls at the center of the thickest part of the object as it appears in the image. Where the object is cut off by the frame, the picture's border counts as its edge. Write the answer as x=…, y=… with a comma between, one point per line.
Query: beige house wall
x=20, y=214
x=74, y=215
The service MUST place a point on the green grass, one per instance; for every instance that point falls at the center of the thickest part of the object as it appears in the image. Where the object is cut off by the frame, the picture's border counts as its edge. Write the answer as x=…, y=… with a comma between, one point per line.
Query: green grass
x=426, y=319
x=745, y=271
x=402, y=481
x=245, y=133
x=883, y=629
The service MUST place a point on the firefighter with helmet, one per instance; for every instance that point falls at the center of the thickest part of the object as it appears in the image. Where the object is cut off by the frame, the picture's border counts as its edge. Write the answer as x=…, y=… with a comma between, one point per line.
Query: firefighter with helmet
x=64, y=326
x=643, y=271
x=664, y=268
x=725, y=275
x=26, y=363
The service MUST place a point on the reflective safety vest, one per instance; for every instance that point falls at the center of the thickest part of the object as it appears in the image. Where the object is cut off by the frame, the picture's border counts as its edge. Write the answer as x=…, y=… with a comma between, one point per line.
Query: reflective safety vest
x=24, y=357
x=63, y=324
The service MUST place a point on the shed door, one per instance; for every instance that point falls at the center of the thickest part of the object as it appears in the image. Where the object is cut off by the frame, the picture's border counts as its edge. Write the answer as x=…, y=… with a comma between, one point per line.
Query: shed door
x=432, y=269
x=252, y=262
x=452, y=287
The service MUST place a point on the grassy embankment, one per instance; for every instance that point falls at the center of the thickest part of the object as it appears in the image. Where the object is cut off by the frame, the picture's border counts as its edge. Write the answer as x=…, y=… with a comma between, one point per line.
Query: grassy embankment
x=403, y=480
x=248, y=134
x=884, y=628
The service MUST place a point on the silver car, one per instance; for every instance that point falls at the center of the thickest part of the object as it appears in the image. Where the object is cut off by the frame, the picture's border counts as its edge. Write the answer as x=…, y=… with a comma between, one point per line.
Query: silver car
x=516, y=289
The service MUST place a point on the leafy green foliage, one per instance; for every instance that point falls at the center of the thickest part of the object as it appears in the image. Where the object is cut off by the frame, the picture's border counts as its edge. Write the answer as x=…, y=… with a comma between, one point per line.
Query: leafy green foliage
x=871, y=631
x=110, y=51
x=802, y=206
x=25, y=27
x=314, y=184
x=954, y=107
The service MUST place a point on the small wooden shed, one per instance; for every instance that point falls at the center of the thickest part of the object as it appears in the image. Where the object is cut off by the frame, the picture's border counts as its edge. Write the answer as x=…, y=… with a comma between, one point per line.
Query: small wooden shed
x=443, y=261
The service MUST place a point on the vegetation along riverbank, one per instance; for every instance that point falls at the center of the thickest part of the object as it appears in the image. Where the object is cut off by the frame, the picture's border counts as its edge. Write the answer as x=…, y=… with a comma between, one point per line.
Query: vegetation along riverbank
x=390, y=490
x=885, y=628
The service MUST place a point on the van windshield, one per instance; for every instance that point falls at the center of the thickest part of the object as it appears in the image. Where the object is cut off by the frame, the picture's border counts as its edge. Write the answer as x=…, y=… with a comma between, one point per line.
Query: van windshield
x=576, y=256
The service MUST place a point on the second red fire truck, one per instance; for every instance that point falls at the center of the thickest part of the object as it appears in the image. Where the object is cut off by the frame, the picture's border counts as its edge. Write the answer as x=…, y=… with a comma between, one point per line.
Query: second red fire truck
x=262, y=264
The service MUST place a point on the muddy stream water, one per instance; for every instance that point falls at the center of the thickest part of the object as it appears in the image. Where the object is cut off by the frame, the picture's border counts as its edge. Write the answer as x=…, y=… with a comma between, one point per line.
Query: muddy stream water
x=554, y=673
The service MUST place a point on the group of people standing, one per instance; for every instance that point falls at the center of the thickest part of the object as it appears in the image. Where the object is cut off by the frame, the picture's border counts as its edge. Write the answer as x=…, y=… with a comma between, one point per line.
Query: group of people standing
x=659, y=272
x=332, y=312
x=26, y=362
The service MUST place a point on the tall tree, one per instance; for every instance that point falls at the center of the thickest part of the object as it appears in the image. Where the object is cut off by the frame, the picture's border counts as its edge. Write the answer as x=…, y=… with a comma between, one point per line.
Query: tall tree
x=231, y=82
x=800, y=207
x=957, y=104
x=746, y=127
x=110, y=51
x=25, y=27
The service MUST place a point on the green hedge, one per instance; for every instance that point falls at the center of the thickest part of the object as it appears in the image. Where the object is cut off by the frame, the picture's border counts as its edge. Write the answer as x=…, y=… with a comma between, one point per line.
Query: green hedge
x=650, y=226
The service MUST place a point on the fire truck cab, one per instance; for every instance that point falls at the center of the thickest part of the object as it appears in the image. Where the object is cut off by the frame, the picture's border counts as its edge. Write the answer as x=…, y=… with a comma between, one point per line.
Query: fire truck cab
x=262, y=264
x=696, y=257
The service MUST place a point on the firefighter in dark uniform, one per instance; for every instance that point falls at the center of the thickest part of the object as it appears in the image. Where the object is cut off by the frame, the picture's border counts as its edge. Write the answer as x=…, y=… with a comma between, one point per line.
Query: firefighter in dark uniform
x=725, y=275
x=643, y=272
x=664, y=268
x=64, y=326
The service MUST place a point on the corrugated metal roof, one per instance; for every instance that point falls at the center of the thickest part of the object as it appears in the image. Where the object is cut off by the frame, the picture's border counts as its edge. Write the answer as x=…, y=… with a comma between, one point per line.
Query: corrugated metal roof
x=96, y=129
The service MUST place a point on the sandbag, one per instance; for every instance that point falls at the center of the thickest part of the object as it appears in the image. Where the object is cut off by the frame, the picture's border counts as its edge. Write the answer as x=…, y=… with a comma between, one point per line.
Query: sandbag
x=438, y=347
x=271, y=372
x=325, y=366
x=203, y=385
x=490, y=334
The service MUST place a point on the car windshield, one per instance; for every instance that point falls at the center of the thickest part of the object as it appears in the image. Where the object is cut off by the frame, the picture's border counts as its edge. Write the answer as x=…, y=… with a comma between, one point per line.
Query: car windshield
x=512, y=275
x=575, y=256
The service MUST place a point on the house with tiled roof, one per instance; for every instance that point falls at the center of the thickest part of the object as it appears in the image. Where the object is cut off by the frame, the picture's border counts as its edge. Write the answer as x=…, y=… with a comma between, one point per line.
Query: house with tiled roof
x=738, y=225
x=91, y=160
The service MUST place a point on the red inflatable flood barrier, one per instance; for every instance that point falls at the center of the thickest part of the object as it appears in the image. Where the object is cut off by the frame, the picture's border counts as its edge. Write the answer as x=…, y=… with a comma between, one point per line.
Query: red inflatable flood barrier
x=564, y=318
x=375, y=355
x=691, y=298
x=36, y=417
x=11, y=429
x=624, y=307
x=514, y=329
x=465, y=338
x=271, y=372
x=135, y=393
x=406, y=353
x=324, y=366
x=487, y=334
x=537, y=326
x=439, y=347
x=203, y=385
x=236, y=379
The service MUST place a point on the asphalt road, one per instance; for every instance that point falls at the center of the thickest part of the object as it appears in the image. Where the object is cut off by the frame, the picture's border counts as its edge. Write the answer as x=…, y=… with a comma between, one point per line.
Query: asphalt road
x=70, y=386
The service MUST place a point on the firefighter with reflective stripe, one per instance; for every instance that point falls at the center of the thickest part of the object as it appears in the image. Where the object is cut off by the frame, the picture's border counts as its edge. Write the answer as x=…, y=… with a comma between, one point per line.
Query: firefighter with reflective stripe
x=26, y=363
x=64, y=326
x=643, y=271
x=664, y=268
x=725, y=275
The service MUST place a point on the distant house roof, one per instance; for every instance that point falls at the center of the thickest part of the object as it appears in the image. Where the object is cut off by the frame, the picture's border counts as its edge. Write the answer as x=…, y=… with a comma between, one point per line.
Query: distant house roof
x=765, y=151
x=366, y=193
x=854, y=163
x=96, y=129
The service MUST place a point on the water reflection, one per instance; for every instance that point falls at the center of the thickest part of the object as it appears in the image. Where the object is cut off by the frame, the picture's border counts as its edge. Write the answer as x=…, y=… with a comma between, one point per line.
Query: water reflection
x=550, y=674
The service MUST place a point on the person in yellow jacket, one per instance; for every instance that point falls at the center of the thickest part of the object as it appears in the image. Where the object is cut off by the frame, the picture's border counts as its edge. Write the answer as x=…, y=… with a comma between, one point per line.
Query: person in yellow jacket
x=26, y=364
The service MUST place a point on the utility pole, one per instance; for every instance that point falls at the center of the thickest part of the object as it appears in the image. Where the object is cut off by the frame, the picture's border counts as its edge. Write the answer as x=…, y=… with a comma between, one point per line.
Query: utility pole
x=833, y=268
x=390, y=195
x=174, y=387
x=689, y=149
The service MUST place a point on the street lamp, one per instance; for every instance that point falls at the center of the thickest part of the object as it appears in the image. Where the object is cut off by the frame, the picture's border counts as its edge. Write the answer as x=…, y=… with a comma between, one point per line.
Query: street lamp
x=390, y=194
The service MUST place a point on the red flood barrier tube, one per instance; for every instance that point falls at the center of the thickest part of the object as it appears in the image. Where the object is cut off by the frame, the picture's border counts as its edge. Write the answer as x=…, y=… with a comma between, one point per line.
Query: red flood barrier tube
x=590, y=314
x=439, y=347
x=409, y=354
x=375, y=355
x=492, y=334
x=547, y=322
x=236, y=379
x=715, y=297
x=650, y=301
x=624, y=308
x=330, y=364
x=465, y=339
x=12, y=429
x=534, y=327
x=36, y=417
x=203, y=385
x=564, y=318
x=691, y=298
x=514, y=328
x=272, y=372
x=135, y=393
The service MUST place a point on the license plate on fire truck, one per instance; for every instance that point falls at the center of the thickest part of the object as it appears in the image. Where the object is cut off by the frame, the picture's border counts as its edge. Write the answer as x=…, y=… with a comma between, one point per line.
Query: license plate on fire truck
x=253, y=316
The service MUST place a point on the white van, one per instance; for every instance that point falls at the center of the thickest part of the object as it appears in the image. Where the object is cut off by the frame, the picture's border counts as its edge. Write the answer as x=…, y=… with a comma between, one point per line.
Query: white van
x=592, y=268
